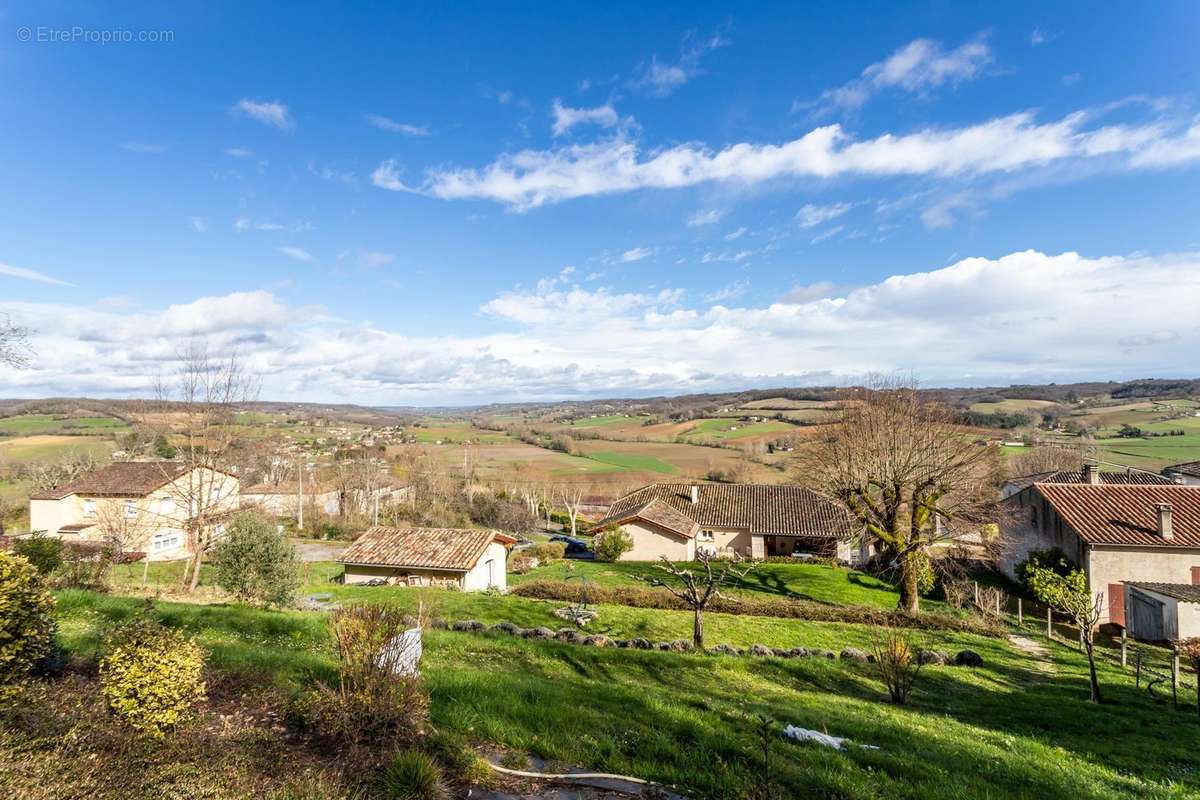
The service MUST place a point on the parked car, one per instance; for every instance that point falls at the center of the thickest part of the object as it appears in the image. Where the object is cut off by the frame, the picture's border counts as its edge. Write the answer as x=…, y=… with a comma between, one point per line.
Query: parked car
x=573, y=545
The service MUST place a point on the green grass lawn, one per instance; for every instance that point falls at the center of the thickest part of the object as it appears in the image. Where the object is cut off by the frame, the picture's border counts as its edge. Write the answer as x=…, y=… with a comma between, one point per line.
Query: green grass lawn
x=33, y=424
x=1007, y=730
x=721, y=428
x=634, y=461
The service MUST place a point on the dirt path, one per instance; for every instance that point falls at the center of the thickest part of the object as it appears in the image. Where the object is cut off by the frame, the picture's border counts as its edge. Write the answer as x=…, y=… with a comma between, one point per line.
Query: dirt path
x=1036, y=651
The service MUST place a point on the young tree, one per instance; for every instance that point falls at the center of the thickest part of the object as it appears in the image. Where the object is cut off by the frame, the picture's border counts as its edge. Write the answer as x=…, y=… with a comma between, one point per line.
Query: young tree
x=197, y=407
x=697, y=587
x=906, y=472
x=1070, y=595
x=256, y=563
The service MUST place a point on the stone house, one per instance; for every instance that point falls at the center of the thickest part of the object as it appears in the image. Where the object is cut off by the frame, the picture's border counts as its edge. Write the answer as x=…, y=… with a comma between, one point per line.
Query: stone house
x=469, y=559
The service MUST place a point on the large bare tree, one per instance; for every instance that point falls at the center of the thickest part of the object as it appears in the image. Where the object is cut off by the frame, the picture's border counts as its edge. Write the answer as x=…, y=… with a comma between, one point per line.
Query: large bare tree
x=195, y=408
x=908, y=474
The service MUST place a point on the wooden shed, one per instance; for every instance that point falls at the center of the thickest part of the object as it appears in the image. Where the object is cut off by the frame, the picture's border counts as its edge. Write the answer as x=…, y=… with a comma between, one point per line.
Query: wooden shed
x=1162, y=611
x=469, y=559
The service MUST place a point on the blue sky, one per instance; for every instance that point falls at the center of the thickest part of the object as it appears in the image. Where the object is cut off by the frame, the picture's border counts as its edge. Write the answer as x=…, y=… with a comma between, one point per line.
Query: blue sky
x=431, y=205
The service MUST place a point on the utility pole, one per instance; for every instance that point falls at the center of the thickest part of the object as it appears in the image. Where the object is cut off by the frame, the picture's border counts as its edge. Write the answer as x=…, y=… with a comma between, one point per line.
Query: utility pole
x=300, y=507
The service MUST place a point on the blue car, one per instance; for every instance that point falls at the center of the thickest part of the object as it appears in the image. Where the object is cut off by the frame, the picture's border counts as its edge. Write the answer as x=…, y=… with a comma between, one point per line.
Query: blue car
x=574, y=546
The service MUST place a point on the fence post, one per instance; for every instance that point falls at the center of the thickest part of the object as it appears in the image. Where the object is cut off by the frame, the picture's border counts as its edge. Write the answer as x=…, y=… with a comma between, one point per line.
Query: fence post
x=1137, y=661
x=976, y=592
x=1049, y=624
x=1175, y=676
x=1020, y=615
x=1124, y=661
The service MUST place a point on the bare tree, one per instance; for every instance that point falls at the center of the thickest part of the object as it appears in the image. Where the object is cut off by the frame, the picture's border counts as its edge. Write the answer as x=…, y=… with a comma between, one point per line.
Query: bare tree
x=360, y=482
x=1046, y=459
x=695, y=587
x=127, y=525
x=572, y=496
x=47, y=475
x=14, y=344
x=906, y=473
x=196, y=409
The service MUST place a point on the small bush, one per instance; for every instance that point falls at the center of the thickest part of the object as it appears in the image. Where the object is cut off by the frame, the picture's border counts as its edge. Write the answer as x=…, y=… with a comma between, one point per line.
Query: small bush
x=411, y=775
x=548, y=551
x=84, y=566
x=897, y=664
x=255, y=563
x=520, y=563
x=150, y=675
x=26, y=620
x=611, y=543
x=40, y=550
x=1052, y=558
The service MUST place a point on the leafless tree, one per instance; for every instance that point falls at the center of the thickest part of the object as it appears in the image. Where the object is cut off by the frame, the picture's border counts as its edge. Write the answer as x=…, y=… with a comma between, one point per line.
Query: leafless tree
x=47, y=475
x=1045, y=459
x=697, y=587
x=195, y=408
x=14, y=344
x=571, y=497
x=359, y=482
x=908, y=475
x=127, y=525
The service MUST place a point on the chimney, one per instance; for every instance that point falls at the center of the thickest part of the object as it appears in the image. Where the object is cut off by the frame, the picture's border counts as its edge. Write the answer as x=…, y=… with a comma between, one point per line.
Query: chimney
x=1091, y=474
x=695, y=494
x=1165, y=531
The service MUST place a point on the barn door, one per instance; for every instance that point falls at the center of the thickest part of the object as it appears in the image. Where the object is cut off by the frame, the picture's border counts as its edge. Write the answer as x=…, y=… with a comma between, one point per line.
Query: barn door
x=1145, y=617
x=1116, y=603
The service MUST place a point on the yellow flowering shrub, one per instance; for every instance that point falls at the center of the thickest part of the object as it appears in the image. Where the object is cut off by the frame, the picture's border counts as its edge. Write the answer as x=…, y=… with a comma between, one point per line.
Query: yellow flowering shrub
x=151, y=675
x=26, y=618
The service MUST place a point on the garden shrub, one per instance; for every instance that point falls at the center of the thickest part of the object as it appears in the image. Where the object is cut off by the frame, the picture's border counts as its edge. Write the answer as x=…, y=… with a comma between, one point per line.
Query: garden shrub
x=150, y=675
x=44, y=552
x=897, y=664
x=255, y=563
x=611, y=543
x=411, y=775
x=1052, y=558
x=26, y=620
x=548, y=551
x=84, y=566
x=520, y=563
x=638, y=597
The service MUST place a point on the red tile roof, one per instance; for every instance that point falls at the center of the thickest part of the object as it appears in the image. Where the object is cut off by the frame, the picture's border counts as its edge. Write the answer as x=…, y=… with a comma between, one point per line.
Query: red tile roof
x=1126, y=514
x=1190, y=468
x=1129, y=476
x=454, y=549
x=758, y=508
x=658, y=512
x=120, y=479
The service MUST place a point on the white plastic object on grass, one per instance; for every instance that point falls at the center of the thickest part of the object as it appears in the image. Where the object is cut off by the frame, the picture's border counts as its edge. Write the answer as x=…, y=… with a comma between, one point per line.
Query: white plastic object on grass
x=836, y=742
x=402, y=655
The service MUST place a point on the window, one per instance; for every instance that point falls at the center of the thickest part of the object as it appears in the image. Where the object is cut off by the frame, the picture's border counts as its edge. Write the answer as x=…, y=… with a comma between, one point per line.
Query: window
x=166, y=540
x=705, y=536
x=89, y=508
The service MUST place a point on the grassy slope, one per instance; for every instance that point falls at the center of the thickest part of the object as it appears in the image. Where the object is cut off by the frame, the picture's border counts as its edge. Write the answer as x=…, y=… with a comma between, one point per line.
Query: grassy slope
x=1001, y=731
x=634, y=461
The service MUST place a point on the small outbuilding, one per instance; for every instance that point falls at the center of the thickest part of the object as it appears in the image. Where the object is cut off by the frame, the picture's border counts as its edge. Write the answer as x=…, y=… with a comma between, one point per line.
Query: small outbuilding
x=1162, y=611
x=472, y=560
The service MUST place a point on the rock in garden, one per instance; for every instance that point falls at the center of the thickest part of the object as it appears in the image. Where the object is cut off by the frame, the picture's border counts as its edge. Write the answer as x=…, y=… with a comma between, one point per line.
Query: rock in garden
x=570, y=635
x=934, y=657
x=538, y=633
x=854, y=654
x=968, y=658
x=725, y=650
x=760, y=650
x=438, y=622
x=797, y=652
x=597, y=640
x=640, y=644
x=467, y=625
x=822, y=654
x=681, y=645
x=505, y=627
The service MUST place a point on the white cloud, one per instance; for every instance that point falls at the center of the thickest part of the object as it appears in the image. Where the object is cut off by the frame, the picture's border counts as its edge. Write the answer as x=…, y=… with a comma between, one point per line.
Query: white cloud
x=917, y=67
x=660, y=79
x=244, y=223
x=272, y=113
x=144, y=147
x=811, y=215
x=701, y=218
x=390, y=125
x=374, y=258
x=297, y=253
x=30, y=275
x=823, y=235
x=531, y=178
x=731, y=291
x=636, y=254
x=736, y=234
x=980, y=321
x=198, y=224
x=566, y=118
x=238, y=152
x=1036, y=37
x=1070, y=79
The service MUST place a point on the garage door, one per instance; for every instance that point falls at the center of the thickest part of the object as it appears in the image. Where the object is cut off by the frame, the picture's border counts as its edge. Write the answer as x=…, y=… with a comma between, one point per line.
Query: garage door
x=1145, y=616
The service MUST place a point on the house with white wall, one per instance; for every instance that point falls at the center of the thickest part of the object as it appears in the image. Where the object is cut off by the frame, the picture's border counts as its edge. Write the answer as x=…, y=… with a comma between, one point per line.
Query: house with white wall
x=1116, y=534
x=141, y=505
x=469, y=559
x=676, y=520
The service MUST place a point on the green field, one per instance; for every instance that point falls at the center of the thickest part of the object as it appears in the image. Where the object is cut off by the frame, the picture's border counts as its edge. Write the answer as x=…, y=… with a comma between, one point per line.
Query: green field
x=634, y=461
x=35, y=424
x=724, y=428
x=596, y=422
x=1018, y=727
x=39, y=447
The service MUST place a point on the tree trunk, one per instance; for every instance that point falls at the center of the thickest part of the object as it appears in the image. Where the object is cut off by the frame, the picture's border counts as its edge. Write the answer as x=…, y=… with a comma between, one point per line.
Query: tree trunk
x=910, y=598
x=698, y=628
x=196, y=562
x=1091, y=657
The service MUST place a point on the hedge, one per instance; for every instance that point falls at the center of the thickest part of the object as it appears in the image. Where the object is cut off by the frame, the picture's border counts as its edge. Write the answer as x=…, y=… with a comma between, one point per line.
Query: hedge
x=638, y=597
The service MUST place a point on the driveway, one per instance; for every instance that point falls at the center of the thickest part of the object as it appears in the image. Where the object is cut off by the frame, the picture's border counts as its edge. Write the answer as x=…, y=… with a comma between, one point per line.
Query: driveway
x=309, y=550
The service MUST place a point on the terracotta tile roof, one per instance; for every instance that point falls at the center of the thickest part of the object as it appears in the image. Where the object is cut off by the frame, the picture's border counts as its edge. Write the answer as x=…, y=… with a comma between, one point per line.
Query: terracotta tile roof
x=288, y=487
x=1191, y=468
x=455, y=549
x=1128, y=477
x=1126, y=514
x=659, y=513
x=758, y=508
x=120, y=479
x=1186, y=592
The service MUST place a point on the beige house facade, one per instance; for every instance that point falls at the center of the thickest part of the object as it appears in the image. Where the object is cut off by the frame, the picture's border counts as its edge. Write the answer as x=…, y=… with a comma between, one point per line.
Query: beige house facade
x=472, y=560
x=755, y=521
x=139, y=505
x=1116, y=534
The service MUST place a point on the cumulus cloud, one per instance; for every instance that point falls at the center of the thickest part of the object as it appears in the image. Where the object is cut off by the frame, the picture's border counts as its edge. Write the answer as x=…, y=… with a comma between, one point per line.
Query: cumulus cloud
x=917, y=68
x=701, y=218
x=392, y=126
x=636, y=254
x=661, y=78
x=531, y=178
x=811, y=215
x=976, y=321
x=566, y=118
x=273, y=113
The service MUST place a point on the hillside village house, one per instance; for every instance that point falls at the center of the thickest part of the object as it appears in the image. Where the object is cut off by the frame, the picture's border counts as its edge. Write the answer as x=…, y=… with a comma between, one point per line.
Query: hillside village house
x=283, y=499
x=472, y=560
x=1090, y=474
x=1115, y=533
x=144, y=504
x=1187, y=473
x=676, y=520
